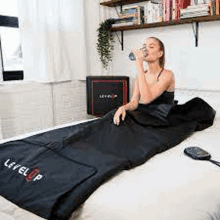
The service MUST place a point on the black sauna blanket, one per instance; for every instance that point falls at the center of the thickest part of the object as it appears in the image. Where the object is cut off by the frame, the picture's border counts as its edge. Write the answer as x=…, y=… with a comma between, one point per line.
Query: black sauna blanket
x=51, y=174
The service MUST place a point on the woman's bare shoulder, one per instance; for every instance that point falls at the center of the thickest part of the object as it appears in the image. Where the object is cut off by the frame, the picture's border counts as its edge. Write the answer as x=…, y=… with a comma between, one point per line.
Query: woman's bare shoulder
x=169, y=72
x=170, y=75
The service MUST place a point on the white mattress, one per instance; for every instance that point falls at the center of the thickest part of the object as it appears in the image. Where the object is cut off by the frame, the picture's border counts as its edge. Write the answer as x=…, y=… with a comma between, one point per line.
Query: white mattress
x=169, y=186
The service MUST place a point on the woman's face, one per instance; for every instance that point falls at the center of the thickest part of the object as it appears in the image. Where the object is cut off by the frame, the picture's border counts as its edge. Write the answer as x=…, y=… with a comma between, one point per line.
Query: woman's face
x=153, y=50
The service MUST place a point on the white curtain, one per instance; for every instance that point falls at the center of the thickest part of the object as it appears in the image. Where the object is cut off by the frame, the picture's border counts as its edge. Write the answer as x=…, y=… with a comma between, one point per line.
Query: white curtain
x=53, y=39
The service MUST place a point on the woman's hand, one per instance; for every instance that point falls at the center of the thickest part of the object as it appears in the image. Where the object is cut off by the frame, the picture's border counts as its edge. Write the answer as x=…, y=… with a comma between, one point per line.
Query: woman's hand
x=121, y=111
x=139, y=56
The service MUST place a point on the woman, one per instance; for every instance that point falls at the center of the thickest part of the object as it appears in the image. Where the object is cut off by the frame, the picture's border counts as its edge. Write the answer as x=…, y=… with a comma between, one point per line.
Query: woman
x=155, y=85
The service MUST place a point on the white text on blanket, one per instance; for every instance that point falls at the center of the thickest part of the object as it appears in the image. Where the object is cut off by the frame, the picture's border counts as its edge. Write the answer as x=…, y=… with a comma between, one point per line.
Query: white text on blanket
x=23, y=170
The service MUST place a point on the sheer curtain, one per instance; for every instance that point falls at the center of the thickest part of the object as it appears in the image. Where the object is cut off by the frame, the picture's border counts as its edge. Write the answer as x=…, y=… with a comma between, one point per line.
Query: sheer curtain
x=53, y=39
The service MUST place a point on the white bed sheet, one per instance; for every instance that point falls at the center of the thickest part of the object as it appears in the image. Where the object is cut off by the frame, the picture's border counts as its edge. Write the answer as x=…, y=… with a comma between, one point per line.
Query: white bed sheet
x=169, y=186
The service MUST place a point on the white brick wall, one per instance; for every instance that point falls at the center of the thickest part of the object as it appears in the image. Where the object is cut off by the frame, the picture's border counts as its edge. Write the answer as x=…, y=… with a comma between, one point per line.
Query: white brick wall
x=69, y=101
x=25, y=107
x=1, y=137
x=32, y=106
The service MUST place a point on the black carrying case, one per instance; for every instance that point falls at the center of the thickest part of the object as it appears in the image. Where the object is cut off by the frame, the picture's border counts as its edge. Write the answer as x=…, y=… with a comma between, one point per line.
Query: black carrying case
x=105, y=93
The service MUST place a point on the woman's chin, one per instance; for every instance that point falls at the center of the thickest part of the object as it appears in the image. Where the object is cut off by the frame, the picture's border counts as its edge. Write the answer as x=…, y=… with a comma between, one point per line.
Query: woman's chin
x=146, y=59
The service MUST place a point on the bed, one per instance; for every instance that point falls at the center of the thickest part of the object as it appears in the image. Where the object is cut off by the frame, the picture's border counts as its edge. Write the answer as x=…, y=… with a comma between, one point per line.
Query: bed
x=168, y=186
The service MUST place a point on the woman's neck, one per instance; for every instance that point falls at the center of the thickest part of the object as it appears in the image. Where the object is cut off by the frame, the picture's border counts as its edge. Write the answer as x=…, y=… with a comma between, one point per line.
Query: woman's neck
x=153, y=68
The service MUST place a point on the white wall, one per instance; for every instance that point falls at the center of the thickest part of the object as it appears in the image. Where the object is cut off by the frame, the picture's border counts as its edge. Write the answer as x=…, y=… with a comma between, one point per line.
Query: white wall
x=33, y=106
x=25, y=107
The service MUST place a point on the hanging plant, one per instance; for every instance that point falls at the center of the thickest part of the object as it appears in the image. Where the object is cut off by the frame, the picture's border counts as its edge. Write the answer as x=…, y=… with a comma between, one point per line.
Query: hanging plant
x=105, y=44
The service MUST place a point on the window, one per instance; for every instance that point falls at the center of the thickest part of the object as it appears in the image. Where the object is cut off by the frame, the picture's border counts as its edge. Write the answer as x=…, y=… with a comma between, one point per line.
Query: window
x=10, y=41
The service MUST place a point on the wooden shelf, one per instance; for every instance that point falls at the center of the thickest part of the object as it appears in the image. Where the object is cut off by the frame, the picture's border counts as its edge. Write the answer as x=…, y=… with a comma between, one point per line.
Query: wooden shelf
x=160, y=24
x=113, y=3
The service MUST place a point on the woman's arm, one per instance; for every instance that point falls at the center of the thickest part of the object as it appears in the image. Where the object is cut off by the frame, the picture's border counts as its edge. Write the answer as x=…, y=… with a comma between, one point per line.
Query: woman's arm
x=144, y=88
x=133, y=104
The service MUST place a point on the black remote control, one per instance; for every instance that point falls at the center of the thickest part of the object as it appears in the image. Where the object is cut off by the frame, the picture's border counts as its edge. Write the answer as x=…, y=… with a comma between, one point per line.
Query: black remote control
x=197, y=153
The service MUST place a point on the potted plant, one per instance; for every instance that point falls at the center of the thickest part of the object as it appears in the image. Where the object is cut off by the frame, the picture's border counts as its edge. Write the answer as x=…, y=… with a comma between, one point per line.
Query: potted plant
x=105, y=42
